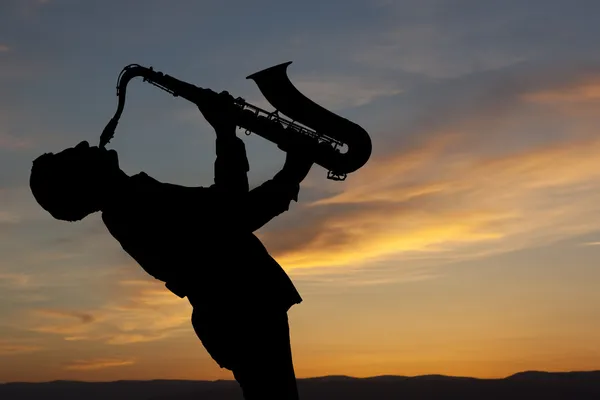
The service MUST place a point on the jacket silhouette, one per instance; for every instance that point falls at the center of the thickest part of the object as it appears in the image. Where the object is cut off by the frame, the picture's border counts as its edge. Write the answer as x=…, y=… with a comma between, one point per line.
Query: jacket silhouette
x=200, y=240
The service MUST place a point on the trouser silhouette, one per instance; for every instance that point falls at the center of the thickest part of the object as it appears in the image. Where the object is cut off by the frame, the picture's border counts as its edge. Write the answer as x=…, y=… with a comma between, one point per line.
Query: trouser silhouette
x=255, y=346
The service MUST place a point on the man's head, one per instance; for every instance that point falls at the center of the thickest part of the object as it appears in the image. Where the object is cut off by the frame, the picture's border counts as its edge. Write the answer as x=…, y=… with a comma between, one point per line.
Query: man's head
x=73, y=183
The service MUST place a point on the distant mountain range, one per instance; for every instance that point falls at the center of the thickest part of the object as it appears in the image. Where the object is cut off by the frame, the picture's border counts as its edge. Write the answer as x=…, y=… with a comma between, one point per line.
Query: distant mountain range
x=530, y=385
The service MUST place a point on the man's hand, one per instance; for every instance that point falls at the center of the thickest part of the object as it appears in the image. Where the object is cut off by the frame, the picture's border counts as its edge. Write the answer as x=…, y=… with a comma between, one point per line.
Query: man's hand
x=219, y=111
x=299, y=159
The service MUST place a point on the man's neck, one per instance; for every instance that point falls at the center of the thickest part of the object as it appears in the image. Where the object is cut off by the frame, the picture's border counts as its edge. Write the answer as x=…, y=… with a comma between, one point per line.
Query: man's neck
x=114, y=191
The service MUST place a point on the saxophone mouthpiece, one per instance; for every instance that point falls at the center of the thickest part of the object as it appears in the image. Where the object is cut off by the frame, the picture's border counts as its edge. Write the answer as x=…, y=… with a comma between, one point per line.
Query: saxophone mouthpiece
x=108, y=133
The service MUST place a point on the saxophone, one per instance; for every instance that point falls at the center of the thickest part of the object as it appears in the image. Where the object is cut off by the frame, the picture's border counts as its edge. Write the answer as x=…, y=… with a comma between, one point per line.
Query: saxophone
x=337, y=144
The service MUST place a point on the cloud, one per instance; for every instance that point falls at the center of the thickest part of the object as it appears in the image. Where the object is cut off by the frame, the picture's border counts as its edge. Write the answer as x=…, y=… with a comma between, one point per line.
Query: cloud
x=145, y=294
x=447, y=39
x=576, y=99
x=585, y=90
x=349, y=278
x=424, y=188
x=9, y=348
x=10, y=142
x=339, y=92
x=4, y=48
x=125, y=338
x=84, y=318
x=431, y=49
x=148, y=312
x=98, y=363
x=30, y=298
x=435, y=39
x=488, y=178
x=63, y=322
x=8, y=217
x=137, y=311
x=14, y=280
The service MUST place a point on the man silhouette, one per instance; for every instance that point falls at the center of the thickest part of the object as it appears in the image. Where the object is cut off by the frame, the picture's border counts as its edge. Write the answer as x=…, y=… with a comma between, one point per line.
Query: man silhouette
x=199, y=241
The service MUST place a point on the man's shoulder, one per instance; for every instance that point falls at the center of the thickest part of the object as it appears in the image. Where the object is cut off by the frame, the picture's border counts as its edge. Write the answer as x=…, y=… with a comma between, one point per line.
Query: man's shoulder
x=147, y=192
x=143, y=177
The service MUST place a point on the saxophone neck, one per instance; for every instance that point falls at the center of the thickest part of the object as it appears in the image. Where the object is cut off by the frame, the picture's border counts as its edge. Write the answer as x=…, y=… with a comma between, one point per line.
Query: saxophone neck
x=169, y=84
x=165, y=82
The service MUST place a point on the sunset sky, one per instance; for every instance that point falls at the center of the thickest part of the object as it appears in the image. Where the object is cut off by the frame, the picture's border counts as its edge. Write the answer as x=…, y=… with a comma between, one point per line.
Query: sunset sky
x=468, y=244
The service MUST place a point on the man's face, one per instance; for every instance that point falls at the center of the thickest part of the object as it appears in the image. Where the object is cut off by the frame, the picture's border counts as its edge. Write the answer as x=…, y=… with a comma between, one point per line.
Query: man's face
x=78, y=178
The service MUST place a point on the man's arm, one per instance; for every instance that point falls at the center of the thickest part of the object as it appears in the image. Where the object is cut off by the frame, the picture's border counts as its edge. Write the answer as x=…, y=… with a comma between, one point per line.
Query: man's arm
x=231, y=165
x=273, y=197
x=251, y=209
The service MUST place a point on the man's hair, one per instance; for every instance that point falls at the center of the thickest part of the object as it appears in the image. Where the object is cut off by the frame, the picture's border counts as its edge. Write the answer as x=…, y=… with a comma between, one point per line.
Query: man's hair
x=63, y=183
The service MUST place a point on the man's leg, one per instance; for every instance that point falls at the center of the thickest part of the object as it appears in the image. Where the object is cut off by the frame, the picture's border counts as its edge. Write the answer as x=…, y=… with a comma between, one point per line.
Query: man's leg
x=215, y=331
x=255, y=346
x=267, y=371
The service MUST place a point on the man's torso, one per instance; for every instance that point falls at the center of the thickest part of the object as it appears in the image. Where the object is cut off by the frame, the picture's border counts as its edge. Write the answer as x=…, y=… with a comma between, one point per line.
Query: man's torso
x=188, y=238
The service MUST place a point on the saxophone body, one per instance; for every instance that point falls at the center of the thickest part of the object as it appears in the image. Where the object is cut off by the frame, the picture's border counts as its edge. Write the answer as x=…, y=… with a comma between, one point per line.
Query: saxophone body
x=340, y=146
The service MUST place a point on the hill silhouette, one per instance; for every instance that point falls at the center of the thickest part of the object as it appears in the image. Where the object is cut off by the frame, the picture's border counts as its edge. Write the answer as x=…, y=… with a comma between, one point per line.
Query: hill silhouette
x=524, y=385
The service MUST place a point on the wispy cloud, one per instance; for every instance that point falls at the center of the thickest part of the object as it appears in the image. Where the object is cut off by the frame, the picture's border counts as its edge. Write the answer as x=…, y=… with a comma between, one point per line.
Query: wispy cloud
x=10, y=142
x=8, y=217
x=350, y=278
x=577, y=93
x=129, y=338
x=143, y=312
x=454, y=190
x=97, y=363
x=84, y=318
x=149, y=312
x=14, y=280
x=338, y=91
x=8, y=348
x=428, y=49
x=62, y=322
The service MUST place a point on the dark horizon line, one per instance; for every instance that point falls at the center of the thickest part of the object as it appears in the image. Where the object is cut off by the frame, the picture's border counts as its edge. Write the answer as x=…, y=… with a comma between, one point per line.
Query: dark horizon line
x=517, y=374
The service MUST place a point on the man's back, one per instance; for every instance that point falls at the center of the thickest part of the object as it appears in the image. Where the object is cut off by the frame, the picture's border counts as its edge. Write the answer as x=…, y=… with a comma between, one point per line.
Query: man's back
x=192, y=238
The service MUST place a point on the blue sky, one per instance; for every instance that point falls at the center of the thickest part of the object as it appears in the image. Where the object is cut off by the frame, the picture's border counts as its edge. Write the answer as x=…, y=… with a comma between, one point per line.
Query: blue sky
x=467, y=245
